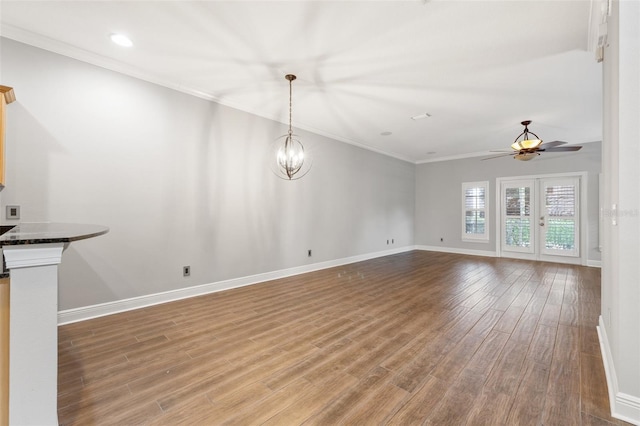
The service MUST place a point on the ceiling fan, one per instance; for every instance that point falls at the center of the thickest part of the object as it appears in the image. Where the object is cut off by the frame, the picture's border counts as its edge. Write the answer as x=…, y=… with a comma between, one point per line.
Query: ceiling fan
x=530, y=146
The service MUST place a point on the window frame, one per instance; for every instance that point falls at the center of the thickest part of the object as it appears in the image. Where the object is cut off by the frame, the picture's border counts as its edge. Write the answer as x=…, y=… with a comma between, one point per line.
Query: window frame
x=476, y=238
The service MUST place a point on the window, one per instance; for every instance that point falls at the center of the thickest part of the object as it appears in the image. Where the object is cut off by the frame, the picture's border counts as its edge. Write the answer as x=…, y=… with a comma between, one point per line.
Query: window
x=475, y=214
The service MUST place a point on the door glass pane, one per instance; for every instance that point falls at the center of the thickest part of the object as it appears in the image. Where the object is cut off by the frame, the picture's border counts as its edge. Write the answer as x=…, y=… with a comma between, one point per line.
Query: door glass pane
x=518, y=201
x=560, y=203
x=560, y=234
x=517, y=232
x=518, y=220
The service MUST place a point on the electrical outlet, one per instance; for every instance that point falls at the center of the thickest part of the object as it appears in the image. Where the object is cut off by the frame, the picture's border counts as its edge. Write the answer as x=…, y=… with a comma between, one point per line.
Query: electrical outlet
x=186, y=271
x=309, y=253
x=13, y=212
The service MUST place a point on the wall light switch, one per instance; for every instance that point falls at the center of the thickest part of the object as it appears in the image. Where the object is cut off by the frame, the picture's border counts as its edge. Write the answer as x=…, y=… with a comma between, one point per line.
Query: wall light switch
x=13, y=212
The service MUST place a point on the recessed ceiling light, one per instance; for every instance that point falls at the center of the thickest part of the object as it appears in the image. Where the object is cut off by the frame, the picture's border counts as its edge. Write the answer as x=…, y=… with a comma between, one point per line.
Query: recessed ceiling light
x=385, y=134
x=421, y=116
x=121, y=40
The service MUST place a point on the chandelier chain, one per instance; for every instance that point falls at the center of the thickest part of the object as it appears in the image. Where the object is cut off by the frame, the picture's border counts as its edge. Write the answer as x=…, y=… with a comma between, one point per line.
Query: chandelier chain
x=290, y=105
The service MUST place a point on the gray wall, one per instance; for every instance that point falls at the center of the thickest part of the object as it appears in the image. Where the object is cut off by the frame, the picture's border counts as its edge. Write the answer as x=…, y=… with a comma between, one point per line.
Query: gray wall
x=184, y=181
x=180, y=181
x=439, y=186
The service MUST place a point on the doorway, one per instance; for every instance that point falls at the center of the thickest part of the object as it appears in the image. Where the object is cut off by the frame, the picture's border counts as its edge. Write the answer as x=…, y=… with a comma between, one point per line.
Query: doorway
x=540, y=218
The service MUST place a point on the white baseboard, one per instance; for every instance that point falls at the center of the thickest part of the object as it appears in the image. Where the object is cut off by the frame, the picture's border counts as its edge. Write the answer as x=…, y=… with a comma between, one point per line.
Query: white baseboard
x=109, y=308
x=94, y=311
x=487, y=253
x=470, y=252
x=623, y=406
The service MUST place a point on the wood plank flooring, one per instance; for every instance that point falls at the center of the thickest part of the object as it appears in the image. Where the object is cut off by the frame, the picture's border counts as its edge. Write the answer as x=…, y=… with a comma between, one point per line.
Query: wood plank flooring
x=415, y=338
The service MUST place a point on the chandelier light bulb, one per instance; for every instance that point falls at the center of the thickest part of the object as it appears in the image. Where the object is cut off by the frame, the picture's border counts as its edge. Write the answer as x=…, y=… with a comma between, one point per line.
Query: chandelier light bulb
x=290, y=157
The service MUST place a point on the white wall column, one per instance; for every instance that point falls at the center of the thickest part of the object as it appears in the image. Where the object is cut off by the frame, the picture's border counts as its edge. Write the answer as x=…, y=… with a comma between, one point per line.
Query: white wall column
x=33, y=353
x=619, y=327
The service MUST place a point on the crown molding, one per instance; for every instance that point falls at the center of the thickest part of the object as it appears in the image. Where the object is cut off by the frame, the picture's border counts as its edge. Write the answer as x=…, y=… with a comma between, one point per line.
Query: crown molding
x=46, y=43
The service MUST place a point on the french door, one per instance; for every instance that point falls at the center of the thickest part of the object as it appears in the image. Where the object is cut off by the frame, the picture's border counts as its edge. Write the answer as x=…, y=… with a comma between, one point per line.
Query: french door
x=540, y=219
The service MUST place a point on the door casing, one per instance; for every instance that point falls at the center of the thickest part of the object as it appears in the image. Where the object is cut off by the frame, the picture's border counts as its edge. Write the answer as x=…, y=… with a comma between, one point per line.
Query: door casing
x=583, y=235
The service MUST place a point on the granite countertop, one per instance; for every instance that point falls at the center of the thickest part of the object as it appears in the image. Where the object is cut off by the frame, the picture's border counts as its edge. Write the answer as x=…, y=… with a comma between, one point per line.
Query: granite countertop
x=44, y=233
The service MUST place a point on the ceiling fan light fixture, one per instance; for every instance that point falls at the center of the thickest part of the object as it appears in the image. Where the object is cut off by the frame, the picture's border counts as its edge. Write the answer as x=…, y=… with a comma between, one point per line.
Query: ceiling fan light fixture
x=527, y=148
x=527, y=142
x=526, y=156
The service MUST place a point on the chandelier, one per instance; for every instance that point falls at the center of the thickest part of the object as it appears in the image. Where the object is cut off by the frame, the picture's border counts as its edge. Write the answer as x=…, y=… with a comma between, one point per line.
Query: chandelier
x=291, y=160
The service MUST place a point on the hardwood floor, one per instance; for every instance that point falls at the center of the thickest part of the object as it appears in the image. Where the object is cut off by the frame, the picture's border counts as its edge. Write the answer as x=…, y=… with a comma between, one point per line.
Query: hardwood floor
x=414, y=338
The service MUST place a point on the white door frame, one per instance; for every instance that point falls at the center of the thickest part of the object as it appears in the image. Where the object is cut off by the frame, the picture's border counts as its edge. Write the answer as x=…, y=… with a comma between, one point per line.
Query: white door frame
x=582, y=259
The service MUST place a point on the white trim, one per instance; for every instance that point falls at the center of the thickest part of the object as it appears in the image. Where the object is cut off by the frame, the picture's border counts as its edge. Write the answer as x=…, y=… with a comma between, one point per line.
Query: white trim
x=43, y=42
x=103, y=309
x=528, y=253
x=480, y=238
x=579, y=233
x=584, y=232
x=623, y=406
x=37, y=40
x=584, y=221
x=455, y=250
x=486, y=253
x=94, y=311
x=456, y=157
x=607, y=360
x=30, y=255
x=594, y=263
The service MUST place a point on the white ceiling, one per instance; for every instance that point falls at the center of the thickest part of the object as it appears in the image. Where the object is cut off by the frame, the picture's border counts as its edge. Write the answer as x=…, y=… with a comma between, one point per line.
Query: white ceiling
x=364, y=67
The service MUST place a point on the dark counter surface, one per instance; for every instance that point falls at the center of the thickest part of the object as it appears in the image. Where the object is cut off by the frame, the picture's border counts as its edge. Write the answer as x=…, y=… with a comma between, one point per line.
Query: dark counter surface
x=44, y=233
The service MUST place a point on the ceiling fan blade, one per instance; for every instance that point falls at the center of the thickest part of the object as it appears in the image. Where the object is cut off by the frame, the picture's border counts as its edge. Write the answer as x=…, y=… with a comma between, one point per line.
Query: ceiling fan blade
x=552, y=144
x=562, y=149
x=504, y=150
x=498, y=156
